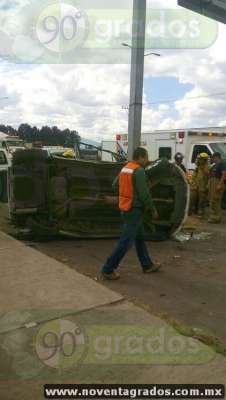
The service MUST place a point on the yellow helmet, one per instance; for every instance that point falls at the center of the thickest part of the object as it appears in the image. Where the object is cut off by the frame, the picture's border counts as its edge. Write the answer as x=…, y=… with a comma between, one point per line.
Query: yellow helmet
x=69, y=153
x=203, y=156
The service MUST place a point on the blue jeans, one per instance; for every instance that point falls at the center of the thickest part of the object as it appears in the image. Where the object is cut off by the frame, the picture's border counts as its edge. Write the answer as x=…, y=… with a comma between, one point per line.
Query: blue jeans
x=132, y=233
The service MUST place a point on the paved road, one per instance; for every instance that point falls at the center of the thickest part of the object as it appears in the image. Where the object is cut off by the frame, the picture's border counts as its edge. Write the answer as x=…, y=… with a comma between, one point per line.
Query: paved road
x=191, y=288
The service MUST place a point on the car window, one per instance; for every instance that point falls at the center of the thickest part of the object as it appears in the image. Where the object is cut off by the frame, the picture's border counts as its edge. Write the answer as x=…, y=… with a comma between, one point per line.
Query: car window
x=199, y=148
x=3, y=159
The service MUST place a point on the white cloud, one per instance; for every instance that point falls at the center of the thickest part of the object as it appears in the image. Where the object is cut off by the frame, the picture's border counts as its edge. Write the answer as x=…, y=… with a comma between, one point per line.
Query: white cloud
x=88, y=98
x=164, y=107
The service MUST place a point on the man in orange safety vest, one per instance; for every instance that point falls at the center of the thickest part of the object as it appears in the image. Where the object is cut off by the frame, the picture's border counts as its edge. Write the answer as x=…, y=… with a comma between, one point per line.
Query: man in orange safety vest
x=134, y=197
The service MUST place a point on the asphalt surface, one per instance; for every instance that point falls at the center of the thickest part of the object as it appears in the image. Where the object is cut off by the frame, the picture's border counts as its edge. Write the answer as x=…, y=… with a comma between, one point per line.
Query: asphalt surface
x=190, y=289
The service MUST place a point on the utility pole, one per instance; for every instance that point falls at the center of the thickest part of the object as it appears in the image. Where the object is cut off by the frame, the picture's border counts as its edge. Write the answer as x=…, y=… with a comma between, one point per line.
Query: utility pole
x=137, y=75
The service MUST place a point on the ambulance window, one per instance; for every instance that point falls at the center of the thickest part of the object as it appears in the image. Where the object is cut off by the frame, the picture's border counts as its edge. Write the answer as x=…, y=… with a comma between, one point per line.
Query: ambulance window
x=199, y=148
x=165, y=152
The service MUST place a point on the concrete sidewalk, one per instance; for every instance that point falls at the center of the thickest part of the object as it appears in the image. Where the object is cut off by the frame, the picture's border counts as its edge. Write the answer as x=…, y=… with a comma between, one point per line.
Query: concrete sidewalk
x=44, y=304
x=30, y=280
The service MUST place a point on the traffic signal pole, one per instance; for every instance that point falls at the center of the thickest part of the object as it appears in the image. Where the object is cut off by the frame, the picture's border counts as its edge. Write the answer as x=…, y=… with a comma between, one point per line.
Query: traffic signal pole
x=137, y=76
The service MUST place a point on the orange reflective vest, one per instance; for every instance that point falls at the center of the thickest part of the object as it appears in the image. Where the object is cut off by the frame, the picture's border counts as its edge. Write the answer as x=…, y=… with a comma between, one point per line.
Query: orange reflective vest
x=126, y=186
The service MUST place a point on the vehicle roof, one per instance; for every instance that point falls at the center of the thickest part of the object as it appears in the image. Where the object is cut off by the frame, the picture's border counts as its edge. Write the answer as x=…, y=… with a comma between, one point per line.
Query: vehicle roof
x=213, y=129
x=11, y=139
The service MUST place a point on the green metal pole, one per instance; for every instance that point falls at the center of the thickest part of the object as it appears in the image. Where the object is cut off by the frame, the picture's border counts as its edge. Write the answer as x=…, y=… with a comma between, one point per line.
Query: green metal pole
x=137, y=75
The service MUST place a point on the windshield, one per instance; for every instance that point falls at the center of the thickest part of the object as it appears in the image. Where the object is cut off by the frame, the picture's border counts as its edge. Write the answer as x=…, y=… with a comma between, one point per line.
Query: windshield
x=219, y=148
x=15, y=143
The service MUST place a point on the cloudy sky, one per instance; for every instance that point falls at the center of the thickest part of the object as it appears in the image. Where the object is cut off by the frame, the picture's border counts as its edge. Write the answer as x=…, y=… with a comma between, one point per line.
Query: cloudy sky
x=184, y=88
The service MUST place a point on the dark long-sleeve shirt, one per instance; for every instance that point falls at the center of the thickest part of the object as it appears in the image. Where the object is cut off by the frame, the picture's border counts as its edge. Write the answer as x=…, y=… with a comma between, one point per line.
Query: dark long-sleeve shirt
x=218, y=170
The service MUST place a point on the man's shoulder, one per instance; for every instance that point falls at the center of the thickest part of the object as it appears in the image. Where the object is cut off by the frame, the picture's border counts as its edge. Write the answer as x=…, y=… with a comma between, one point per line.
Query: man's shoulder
x=139, y=171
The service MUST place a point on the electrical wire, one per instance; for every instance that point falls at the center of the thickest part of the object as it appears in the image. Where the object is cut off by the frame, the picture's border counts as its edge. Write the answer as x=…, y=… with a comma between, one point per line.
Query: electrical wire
x=188, y=98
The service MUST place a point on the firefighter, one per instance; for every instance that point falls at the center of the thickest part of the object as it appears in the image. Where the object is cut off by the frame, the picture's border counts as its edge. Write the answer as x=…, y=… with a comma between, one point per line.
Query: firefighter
x=134, y=197
x=199, y=186
x=216, y=188
x=179, y=161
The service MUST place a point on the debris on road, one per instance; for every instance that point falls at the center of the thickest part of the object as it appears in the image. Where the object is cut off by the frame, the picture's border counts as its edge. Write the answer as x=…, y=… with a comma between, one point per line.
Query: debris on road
x=202, y=236
x=181, y=237
x=186, y=236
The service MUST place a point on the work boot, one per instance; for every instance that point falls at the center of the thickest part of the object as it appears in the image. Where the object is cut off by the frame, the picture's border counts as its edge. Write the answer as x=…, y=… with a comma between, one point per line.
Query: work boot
x=114, y=276
x=154, y=268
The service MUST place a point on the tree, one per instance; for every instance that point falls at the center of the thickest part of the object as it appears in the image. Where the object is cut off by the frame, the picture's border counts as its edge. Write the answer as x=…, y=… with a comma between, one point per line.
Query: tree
x=11, y=131
x=48, y=136
x=25, y=132
x=73, y=139
x=3, y=128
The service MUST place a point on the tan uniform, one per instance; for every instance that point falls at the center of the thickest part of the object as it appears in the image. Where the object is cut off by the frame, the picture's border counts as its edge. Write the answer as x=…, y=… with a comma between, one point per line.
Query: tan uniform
x=199, y=188
x=216, y=191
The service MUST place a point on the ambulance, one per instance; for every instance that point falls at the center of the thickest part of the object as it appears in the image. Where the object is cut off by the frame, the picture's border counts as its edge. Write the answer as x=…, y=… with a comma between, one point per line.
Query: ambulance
x=166, y=143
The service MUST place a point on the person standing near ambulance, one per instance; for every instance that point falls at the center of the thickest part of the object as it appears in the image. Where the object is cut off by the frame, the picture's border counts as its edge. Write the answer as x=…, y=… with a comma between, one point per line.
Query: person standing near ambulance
x=134, y=198
x=199, y=186
x=179, y=158
x=216, y=188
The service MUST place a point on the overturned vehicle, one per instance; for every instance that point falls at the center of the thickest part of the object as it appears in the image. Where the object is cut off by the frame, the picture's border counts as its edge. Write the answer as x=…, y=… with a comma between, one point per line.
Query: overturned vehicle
x=52, y=195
